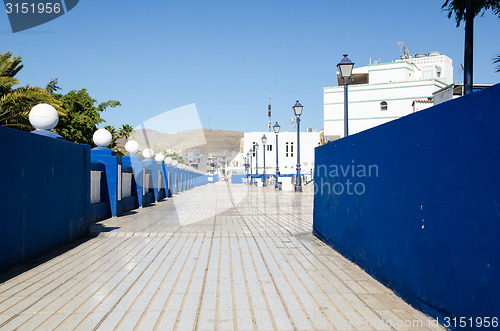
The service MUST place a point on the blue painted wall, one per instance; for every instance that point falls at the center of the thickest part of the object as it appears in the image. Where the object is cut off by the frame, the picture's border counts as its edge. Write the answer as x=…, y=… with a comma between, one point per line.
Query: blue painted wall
x=45, y=196
x=428, y=223
x=238, y=178
x=214, y=179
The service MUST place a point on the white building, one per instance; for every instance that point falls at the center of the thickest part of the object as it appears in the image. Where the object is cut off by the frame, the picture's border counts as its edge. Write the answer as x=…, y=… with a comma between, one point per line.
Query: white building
x=287, y=151
x=195, y=159
x=381, y=92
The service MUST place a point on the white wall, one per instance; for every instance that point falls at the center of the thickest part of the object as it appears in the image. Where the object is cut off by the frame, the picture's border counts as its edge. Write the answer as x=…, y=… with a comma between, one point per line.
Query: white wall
x=287, y=162
x=397, y=83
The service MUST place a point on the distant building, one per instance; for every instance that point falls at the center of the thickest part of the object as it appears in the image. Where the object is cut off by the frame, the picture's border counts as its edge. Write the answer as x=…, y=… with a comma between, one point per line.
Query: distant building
x=195, y=159
x=287, y=151
x=382, y=92
x=453, y=91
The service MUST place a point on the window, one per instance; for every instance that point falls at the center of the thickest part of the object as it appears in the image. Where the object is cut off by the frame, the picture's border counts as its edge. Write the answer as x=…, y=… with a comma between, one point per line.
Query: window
x=383, y=105
x=286, y=150
x=270, y=148
x=291, y=149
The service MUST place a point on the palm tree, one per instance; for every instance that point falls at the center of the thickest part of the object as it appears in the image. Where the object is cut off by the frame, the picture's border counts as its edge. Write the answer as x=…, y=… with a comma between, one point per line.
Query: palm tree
x=126, y=131
x=114, y=135
x=16, y=103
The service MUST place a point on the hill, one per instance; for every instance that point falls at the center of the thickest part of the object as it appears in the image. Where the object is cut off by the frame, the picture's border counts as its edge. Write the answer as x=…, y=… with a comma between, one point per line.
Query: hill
x=207, y=140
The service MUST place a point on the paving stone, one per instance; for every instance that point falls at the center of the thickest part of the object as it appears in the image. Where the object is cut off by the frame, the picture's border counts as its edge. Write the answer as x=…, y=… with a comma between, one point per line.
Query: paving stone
x=221, y=255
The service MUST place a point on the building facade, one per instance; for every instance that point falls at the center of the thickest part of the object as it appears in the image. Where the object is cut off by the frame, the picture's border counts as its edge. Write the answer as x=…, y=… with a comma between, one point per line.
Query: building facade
x=382, y=92
x=287, y=151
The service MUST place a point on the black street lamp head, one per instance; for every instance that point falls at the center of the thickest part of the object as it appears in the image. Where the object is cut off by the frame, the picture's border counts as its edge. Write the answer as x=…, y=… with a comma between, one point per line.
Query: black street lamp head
x=276, y=128
x=297, y=109
x=256, y=146
x=248, y=154
x=264, y=139
x=345, y=68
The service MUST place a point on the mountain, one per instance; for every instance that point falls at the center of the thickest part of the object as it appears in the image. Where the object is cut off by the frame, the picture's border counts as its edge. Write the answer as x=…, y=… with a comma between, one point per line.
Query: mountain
x=207, y=140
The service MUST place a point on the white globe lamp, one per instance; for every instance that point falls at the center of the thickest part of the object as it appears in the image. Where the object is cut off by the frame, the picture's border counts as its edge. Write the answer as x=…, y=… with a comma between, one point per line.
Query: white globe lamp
x=132, y=147
x=148, y=153
x=175, y=163
x=168, y=160
x=159, y=157
x=43, y=117
x=102, y=138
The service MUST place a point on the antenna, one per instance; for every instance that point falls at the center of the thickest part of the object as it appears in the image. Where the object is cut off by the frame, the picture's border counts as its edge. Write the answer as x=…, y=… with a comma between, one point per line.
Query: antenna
x=401, y=44
x=269, y=114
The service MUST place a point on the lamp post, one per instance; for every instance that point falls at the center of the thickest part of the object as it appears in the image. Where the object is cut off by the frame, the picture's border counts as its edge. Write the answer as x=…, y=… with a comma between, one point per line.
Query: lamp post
x=256, y=147
x=345, y=69
x=276, y=128
x=249, y=154
x=297, y=110
x=264, y=141
x=245, y=165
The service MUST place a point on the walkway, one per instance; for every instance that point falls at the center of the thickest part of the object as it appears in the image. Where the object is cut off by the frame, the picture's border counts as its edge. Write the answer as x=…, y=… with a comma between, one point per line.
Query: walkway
x=221, y=257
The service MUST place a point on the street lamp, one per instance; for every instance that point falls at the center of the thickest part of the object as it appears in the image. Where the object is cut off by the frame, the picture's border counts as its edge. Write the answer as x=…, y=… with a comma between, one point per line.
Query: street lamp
x=256, y=147
x=249, y=154
x=245, y=165
x=264, y=141
x=345, y=68
x=297, y=110
x=276, y=128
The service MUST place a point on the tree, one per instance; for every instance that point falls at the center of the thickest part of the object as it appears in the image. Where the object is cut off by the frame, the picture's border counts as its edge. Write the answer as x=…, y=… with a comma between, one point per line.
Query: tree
x=466, y=10
x=126, y=131
x=114, y=135
x=83, y=114
x=16, y=103
x=9, y=66
x=497, y=60
x=458, y=8
x=175, y=156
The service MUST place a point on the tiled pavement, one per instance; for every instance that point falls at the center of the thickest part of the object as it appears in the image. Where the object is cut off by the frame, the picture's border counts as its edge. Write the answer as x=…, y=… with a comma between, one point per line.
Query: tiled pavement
x=221, y=257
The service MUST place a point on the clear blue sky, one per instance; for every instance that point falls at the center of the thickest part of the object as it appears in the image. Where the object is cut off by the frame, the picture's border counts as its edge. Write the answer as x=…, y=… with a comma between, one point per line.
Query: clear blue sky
x=227, y=57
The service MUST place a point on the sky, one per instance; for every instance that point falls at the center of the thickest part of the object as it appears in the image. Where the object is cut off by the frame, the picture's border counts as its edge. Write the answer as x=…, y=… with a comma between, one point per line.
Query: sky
x=228, y=57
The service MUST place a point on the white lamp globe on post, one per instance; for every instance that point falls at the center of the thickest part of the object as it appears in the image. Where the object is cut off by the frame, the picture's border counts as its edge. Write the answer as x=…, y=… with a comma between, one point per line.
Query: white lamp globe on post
x=43, y=117
x=132, y=147
x=175, y=163
x=168, y=160
x=159, y=157
x=148, y=153
x=345, y=69
x=102, y=138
